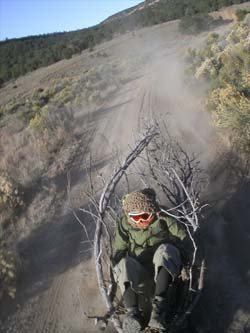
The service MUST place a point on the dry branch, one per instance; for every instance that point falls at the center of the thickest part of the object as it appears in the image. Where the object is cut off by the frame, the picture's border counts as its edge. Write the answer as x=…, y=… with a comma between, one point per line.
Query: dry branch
x=103, y=203
x=176, y=174
x=179, y=177
x=196, y=299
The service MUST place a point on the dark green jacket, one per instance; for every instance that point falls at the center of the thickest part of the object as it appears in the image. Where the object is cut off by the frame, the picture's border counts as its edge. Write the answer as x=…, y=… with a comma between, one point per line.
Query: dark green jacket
x=142, y=243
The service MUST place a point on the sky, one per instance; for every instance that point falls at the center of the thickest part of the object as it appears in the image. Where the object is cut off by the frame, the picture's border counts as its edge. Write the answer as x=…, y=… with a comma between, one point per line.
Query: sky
x=20, y=18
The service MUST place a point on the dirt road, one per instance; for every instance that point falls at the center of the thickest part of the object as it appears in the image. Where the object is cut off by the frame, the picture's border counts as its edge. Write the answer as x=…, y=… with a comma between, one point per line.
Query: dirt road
x=59, y=286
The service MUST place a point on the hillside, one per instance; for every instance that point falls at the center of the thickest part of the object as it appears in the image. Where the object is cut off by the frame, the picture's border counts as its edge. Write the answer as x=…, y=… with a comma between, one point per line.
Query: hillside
x=19, y=56
x=55, y=120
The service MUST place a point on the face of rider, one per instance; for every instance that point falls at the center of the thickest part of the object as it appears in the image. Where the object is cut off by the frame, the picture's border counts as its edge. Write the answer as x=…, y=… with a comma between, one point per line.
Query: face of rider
x=140, y=207
x=141, y=220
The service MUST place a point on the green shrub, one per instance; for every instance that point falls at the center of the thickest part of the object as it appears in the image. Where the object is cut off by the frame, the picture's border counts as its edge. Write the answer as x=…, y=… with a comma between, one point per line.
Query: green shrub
x=226, y=67
x=231, y=111
x=195, y=24
x=10, y=192
x=212, y=38
x=247, y=20
x=64, y=96
x=241, y=14
x=39, y=122
x=9, y=271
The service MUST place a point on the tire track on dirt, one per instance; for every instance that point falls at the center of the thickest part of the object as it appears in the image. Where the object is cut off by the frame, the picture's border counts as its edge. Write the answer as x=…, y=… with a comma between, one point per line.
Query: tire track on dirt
x=48, y=323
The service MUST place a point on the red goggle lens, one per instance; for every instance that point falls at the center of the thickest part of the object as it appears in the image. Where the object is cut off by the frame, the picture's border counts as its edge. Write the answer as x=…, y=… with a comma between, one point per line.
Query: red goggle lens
x=139, y=217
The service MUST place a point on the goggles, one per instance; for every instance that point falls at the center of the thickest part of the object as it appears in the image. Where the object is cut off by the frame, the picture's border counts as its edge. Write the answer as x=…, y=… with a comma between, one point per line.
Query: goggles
x=140, y=217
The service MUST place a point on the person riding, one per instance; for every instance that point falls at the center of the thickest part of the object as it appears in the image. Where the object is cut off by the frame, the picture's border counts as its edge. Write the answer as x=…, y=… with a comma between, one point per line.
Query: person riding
x=149, y=246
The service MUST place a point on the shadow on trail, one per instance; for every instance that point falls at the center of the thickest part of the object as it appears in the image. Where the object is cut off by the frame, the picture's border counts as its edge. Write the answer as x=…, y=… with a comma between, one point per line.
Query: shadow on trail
x=50, y=250
x=78, y=174
x=225, y=302
x=55, y=247
x=90, y=119
x=237, y=214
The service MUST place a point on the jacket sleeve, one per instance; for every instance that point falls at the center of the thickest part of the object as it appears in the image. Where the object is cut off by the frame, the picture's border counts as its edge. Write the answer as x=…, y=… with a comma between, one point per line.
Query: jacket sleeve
x=179, y=236
x=121, y=242
x=176, y=230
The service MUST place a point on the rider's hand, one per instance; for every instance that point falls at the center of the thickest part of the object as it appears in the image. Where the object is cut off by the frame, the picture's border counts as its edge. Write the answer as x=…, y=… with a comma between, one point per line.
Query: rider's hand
x=185, y=273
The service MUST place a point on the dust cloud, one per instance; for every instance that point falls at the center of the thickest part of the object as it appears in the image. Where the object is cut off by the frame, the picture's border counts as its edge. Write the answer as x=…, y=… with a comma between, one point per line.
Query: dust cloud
x=167, y=93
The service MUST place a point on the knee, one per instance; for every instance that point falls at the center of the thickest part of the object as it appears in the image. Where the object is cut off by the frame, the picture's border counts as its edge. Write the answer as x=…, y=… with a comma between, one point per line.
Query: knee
x=128, y=265
x=126, y=262
x=167, y=256
x=167, y=248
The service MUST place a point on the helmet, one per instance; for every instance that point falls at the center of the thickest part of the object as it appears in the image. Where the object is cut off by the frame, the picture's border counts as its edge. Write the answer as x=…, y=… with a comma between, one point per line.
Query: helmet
x=140, y=207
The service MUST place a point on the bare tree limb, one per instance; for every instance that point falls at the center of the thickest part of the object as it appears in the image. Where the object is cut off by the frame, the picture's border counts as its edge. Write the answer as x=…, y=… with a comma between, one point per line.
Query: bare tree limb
x=165, y=165
x=104, y=200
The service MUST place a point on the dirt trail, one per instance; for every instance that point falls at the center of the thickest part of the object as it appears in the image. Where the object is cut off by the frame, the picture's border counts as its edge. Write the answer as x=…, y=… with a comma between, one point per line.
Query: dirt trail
x=59, y=283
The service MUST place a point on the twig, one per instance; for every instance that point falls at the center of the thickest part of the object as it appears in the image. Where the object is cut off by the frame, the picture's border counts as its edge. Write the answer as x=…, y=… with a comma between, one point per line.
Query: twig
x=73, y=211
x=103, y=203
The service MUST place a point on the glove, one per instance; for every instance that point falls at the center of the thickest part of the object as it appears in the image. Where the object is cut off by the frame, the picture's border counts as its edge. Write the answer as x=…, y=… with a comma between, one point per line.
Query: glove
x=185, y=273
